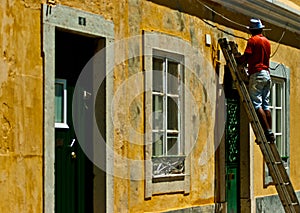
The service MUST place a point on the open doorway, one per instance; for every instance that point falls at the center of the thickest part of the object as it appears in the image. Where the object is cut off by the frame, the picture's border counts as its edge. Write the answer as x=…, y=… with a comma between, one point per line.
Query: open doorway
x=80, y=186
x=95, y=32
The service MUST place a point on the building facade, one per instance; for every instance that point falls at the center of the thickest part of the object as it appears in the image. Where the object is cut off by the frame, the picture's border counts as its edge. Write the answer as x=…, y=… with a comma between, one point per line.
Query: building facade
x=128, y=106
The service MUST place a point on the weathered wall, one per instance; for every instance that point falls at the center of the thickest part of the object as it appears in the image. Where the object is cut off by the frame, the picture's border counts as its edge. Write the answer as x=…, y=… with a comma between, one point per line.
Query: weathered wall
x=21, y=115
x=129, y=194
x=130, y=18
x=21, y=99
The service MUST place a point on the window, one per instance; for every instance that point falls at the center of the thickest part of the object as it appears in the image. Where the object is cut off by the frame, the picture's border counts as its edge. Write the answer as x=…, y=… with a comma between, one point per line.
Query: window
x=61, y=103
x=279, y=106
x=167, y=145
x=167, y=166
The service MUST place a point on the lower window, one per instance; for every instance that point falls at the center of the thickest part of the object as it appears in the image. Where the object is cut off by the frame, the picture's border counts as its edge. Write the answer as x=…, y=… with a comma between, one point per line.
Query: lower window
x=279, y=103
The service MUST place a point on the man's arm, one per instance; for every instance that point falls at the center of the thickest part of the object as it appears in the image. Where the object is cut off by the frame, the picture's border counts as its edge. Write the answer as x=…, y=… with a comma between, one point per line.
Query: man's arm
x=241, y=59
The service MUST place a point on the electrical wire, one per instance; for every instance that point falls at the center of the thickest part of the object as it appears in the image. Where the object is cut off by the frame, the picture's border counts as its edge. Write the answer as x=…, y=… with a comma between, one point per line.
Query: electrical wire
x=236, y=23
x=278, y=44
x=219, y=14
x=224, y=31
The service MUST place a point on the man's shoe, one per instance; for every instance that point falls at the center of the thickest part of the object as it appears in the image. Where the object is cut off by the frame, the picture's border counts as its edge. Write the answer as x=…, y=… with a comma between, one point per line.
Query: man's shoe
x=270, y=136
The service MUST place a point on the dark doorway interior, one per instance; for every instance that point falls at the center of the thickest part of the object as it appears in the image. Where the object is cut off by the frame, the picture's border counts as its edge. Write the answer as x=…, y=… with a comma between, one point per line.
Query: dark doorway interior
x=79, y=185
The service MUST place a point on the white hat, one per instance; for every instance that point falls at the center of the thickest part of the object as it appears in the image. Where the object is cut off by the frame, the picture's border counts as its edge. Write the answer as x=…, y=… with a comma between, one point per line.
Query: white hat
x=255, y=24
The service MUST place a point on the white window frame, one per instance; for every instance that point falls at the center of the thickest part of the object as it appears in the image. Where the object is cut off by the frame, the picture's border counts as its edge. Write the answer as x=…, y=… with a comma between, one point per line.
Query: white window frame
x=63, y=124
x=166, y=58
x=165, y=159
x=280, y=74
x=282, y=149
x=172, y=183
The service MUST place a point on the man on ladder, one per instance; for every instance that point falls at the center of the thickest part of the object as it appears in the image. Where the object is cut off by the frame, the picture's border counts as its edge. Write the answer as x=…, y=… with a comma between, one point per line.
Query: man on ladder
x=257, y=55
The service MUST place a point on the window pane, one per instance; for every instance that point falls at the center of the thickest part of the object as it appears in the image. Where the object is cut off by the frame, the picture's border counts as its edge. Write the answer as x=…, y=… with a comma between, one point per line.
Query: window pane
x=279, y=145
x=157, y=114
x=172, y=107
x=271, y=97
x=172, y=146
x=278, y=94
x=157, y=144
x=173, y=78
x=59, y=103
x=157, y=75
x=278, y=121
x=271, y=110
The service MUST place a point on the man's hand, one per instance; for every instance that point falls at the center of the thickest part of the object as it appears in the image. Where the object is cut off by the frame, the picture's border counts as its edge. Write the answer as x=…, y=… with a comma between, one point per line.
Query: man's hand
x=242, y=59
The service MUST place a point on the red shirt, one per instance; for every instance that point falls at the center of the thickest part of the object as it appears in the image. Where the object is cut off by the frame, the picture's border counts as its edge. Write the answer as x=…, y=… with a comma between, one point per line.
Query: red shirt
x=259, y=50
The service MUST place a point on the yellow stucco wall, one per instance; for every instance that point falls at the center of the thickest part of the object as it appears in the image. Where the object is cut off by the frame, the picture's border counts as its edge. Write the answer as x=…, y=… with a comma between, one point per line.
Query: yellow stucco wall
x=21, y=112
x=21, y=99
x=149, y=17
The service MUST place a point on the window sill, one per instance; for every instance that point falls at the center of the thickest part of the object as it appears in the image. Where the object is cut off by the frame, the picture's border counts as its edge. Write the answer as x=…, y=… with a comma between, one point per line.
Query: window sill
x=170, y=184
x=168, y=176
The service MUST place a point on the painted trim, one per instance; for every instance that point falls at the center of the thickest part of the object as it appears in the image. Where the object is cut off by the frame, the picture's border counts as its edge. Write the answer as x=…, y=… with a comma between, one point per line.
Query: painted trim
x=285, y=6
x=283, y=72
x=267, y=11
x=68, y=18
x=94, y=25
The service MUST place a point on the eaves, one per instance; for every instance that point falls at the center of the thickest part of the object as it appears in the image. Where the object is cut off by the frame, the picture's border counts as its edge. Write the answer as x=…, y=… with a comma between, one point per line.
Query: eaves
x=274, y=13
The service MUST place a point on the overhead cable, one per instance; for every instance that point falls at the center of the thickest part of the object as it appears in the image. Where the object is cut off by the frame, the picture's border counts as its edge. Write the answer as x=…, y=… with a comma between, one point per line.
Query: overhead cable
x=236, y=23
x=219, y=14
x=278, y=44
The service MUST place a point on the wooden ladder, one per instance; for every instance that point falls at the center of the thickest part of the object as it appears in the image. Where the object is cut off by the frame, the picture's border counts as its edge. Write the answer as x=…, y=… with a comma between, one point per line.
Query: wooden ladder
x=269, y=150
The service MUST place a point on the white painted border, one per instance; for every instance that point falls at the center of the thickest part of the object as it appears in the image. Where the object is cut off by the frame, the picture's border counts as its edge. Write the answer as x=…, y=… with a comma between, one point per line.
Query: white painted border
x=65, y=17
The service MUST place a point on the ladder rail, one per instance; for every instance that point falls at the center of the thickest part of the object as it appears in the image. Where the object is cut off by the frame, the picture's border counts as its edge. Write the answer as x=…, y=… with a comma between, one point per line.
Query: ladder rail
x=270, y=153
x=284, y=195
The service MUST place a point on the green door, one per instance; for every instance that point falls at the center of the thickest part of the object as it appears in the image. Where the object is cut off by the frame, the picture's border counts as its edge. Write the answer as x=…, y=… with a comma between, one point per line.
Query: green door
x=232, y=155
x=73, y=171
x=232, y=141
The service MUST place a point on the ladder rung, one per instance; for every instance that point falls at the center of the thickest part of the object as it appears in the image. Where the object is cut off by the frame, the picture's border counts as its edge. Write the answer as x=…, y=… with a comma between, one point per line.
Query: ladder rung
x=270, y=142
x=274, y=163
x=290, y=204
x=277, y=163
x=284, y=184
